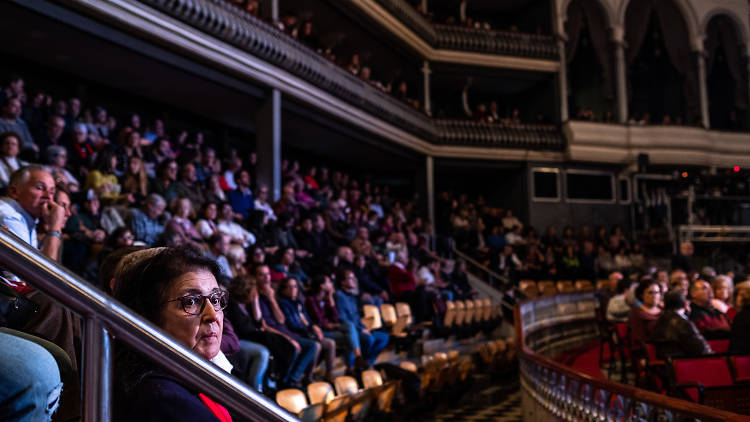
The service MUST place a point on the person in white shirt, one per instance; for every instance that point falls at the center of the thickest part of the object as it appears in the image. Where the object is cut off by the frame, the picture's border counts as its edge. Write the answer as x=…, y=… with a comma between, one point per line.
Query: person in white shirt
x=226, y=224
x=261, y=202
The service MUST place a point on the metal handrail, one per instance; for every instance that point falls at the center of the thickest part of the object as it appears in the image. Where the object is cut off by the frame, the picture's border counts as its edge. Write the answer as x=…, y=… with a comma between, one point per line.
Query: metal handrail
x=103, y=316
x=502, y=279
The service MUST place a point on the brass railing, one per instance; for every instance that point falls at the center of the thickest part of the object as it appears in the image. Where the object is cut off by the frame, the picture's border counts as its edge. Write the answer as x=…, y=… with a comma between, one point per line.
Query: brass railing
x=548, y=326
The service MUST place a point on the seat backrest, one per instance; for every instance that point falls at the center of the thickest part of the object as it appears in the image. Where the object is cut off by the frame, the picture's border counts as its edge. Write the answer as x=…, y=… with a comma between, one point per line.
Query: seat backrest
x=371, y=319
x=460, y=312
x=453, y=355
x=291, y=399
x=479, y=310
x=584, y=285
x=741, y=366
x=320, y=392
x=565, y=286
x=710, y=371
x=450, y=313
x=719, y=346
x=469, y=316
x=547, y=288
x=409, y=366
x=371, y=378
x=487, y=309
x=404, y=310
x=345, y=385
x=388, y=312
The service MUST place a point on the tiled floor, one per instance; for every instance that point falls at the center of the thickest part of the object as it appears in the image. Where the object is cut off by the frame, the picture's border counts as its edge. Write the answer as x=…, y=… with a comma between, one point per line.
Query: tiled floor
x=509, y=410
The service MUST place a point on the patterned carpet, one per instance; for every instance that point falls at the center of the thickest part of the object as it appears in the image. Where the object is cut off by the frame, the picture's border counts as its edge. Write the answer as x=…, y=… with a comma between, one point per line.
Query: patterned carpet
x=508, y=410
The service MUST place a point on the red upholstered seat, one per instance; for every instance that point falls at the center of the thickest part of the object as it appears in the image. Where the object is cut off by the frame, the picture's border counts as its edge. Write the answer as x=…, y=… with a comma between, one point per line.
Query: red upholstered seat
x=719, y=346
x=708, y=371
x=741, y=365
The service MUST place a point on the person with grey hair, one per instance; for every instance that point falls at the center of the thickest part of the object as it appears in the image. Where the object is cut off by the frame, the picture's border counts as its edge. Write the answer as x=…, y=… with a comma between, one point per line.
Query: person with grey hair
x=57, y=158
x=146, y=224
x=82, y=149
x=31, y=192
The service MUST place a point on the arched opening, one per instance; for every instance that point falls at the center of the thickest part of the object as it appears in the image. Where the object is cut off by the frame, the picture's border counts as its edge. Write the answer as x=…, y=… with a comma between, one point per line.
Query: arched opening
x=726, y=71
x=590, y=66
x=662, y=72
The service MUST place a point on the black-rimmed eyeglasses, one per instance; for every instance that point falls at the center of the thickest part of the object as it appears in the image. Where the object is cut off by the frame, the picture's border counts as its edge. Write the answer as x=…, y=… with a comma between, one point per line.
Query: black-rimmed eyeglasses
x=195, y=304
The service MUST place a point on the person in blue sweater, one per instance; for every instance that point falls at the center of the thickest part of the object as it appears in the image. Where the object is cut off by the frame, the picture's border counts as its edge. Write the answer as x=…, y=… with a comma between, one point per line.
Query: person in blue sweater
x=299, y=322
x=241, y=198
x=347, y=302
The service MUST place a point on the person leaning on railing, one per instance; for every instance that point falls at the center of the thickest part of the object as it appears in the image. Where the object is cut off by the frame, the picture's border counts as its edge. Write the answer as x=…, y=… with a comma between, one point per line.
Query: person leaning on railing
x=176, y=289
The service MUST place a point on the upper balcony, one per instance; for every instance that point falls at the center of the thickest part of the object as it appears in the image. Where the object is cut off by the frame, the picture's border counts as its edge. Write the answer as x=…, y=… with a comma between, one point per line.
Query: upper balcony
x=460, y=44
x=230, y=39
x=665, y=145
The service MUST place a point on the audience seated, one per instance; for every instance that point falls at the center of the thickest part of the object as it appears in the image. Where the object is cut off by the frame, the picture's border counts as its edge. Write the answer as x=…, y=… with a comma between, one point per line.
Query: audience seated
x=642, y=318
x=739, y=341
x=710, y=321
x=674, y=334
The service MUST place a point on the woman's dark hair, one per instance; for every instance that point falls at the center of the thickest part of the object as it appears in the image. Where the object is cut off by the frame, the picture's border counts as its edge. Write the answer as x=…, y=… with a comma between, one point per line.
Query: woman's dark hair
x=112, y=238
x=622, y=285
x=284, y=283
x=241, y=287
x=103, y=161
x=316, y=284
x=162, y=168
x=643, y=286
x=142, y=284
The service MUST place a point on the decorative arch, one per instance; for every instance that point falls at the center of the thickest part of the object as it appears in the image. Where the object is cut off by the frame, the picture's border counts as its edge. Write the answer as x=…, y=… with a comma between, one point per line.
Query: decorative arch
x=609, y=13
x=739, y=25
x=689, y=15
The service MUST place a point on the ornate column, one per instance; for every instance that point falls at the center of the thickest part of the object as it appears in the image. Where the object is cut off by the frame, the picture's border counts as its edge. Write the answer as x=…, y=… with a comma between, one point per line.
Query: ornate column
x=621, y=84
x=562, y=78
x=268, y=144
x=427, y=99
x=430, y=170
x=700, y=55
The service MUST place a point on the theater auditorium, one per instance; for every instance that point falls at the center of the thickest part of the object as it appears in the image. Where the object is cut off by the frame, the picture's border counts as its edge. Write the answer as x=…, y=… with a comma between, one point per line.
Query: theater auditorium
x=374, y=210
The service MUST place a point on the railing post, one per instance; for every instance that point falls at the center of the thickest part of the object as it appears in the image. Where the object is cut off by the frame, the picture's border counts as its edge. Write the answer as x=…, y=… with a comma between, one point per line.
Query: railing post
x=97, y=373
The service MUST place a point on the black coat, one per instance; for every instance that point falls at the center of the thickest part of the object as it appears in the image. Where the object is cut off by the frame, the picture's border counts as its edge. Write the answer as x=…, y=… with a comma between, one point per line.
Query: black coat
x=678, y=337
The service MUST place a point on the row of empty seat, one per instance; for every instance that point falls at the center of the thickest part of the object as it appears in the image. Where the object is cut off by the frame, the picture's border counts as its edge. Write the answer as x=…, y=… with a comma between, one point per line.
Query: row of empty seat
x=546, y=288
x=348, y=399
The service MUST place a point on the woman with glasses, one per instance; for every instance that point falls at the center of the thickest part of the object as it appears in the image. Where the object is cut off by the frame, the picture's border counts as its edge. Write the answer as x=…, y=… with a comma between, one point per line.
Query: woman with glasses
x=176, y=289
x=643, y=318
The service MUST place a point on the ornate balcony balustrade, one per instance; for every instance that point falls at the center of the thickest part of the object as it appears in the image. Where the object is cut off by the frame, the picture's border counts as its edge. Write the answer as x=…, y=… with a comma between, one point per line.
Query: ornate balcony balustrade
x=496, y=42
x=549, y=326
x=469, y=39
x=225, y=22
x=240, y=29
x=469, y=133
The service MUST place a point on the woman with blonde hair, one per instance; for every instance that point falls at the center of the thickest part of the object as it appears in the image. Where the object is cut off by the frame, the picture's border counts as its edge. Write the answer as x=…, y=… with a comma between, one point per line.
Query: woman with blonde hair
x=237, y=258
x=135, y=180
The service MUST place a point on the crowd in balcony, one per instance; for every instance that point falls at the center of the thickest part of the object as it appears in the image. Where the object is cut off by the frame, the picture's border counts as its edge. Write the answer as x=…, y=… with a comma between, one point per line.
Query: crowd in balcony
x=298, y=269
x=306, y=32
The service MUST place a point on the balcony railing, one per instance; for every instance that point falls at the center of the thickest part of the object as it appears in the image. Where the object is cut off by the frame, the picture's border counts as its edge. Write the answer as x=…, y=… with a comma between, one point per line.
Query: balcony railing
x=240, y=29
x=413, y=19
x=549, y=326
x=496, y=42
x=226, y=22
x=524, y=136
x=469, y=39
